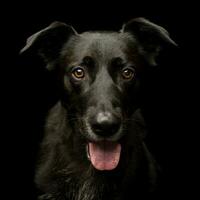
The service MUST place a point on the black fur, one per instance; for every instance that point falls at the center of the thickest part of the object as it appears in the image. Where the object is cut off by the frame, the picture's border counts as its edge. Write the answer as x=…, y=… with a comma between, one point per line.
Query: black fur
x=64, y=172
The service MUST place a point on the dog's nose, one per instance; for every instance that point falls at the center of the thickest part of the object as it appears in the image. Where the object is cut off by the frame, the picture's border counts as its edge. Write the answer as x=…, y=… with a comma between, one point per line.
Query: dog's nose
x=105, y=124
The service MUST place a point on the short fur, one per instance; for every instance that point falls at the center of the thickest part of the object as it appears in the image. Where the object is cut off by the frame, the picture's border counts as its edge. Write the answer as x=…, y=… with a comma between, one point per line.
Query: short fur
x=64, y=171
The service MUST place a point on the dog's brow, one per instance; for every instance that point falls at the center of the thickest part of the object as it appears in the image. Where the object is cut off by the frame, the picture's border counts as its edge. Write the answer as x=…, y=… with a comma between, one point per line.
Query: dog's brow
x=117, y=61
x=88, y=60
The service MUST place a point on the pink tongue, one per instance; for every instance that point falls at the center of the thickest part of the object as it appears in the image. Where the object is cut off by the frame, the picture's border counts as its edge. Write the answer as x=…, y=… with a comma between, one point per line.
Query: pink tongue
x=105, y=155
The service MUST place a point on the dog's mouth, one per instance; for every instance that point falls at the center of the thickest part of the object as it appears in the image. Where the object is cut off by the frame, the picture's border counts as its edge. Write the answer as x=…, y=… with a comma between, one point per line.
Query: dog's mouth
x=104, y=155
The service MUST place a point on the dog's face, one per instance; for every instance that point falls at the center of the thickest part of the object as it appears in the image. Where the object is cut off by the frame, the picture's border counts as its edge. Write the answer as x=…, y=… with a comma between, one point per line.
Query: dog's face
x=100, y=81
x=101, y=84
x=100, y=75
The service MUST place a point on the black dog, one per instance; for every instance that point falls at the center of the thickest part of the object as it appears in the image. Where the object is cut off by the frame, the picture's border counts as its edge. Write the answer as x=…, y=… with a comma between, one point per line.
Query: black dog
x=93, y=145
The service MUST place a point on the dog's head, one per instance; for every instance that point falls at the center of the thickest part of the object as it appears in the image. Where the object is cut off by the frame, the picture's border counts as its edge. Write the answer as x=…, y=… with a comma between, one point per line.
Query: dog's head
x=100, y=77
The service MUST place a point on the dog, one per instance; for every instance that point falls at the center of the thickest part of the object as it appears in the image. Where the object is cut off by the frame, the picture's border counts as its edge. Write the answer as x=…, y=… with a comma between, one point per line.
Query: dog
x=93, y=147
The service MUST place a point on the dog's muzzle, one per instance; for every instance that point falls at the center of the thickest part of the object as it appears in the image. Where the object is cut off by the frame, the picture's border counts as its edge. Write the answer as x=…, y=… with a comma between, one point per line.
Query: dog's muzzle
x=104, y=149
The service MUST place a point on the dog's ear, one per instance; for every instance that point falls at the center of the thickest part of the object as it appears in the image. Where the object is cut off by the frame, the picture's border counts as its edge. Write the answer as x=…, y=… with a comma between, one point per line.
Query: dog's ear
x=151, y=37
x=49, y=41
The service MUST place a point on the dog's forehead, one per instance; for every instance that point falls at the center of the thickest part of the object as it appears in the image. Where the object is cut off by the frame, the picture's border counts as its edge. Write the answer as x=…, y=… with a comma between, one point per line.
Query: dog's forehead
x=101, y=45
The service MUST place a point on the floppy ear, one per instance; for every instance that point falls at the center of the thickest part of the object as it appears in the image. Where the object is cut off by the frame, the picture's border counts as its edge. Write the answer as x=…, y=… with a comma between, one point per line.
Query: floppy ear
x=48, y=42
x=151, y=37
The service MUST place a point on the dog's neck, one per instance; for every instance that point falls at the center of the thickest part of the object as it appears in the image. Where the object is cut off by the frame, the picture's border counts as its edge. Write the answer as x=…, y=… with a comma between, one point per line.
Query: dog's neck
x=96, y=185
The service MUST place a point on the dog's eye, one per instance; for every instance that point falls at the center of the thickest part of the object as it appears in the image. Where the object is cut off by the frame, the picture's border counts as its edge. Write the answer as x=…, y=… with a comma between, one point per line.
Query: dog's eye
x=128, y=74
x=78, y=73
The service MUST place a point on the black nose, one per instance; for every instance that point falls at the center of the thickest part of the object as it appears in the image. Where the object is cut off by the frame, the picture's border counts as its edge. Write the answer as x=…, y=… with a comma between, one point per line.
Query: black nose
x=105, y=124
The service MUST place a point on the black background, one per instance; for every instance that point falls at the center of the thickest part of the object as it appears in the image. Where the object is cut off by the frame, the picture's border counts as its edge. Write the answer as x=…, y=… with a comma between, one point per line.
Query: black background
x=29, y=91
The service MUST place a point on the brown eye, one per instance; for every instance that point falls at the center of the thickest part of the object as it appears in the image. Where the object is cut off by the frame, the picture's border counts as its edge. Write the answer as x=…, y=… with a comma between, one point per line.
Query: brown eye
x=78, y=73
x=127, y=73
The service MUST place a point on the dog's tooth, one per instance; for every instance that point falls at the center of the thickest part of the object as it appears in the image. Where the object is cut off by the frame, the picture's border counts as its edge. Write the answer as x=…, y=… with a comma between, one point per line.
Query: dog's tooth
x=87, y=150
